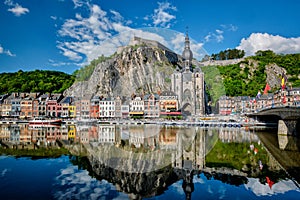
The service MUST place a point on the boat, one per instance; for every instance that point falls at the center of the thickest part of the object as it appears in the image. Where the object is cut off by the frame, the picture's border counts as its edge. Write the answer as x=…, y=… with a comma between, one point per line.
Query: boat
x=85, y=121
x=43, y=121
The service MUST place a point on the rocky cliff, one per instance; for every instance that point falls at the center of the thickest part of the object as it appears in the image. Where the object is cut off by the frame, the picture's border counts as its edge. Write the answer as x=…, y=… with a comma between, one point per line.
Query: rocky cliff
x=139, y=68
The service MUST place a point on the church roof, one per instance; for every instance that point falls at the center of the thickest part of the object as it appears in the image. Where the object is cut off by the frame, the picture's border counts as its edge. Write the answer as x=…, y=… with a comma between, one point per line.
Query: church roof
x=187, y=54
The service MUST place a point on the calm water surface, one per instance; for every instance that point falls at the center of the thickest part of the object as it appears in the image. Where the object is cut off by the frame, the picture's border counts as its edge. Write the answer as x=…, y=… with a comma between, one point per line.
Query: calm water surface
x=151, y=162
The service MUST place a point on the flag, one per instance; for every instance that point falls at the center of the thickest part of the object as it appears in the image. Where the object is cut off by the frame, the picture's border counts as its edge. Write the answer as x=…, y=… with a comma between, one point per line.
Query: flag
x=270, y=183
x=267, y=88
x=284, y=99
x=283, y=81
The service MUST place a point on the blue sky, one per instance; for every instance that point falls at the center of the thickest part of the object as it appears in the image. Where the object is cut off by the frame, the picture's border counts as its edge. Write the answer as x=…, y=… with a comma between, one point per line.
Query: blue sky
x=65, y=35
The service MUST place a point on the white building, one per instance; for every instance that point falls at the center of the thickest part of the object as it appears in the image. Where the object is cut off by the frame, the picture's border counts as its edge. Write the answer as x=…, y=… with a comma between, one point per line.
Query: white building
x=136, y=107
x=107, y=108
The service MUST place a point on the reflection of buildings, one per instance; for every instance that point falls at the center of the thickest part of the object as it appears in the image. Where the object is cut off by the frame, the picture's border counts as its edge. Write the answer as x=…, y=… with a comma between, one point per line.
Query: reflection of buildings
x=23, y=134
x=71, y=133
x=15, y=134
x=146, y=136
x=83, y=134
x=236, y=135
x=4, y=133
x=167, y=138
x=107, y=134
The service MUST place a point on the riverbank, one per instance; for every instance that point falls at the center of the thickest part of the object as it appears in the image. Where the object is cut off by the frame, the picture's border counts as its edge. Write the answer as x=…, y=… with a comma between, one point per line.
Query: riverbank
x=202, y=122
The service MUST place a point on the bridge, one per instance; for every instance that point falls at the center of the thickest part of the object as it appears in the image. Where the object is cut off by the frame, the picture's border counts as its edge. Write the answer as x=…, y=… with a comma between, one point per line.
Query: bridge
x=288, y=119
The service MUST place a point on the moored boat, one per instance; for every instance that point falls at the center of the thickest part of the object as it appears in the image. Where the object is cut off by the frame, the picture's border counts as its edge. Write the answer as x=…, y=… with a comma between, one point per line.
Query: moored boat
x=43, y=121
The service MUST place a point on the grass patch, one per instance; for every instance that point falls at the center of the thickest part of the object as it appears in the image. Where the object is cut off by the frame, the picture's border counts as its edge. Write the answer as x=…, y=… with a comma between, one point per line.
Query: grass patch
x=35, y=153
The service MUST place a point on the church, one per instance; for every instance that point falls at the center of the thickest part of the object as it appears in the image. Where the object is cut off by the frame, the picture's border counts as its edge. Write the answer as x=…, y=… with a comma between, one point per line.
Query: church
x=188, y=84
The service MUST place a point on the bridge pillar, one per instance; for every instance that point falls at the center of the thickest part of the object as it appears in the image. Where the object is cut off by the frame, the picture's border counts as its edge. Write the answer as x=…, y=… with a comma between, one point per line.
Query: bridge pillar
x=287, y=127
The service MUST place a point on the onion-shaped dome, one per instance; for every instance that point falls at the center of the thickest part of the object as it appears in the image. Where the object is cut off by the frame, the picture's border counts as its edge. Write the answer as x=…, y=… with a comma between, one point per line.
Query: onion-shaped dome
x=187, y=53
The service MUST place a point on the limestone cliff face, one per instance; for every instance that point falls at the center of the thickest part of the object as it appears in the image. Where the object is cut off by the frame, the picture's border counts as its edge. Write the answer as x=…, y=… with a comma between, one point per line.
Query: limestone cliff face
x=136, y=69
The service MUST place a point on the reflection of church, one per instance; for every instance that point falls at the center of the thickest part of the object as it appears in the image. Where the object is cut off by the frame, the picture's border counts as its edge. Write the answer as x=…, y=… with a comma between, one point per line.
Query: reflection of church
x=188, y=84
x=189, y=156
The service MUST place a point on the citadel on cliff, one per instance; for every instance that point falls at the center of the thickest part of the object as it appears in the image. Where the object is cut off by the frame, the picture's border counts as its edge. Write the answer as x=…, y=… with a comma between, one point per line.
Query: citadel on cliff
x=147, y=67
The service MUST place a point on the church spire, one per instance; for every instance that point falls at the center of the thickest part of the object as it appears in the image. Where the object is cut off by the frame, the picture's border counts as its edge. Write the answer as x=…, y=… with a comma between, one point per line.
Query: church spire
x=187, y=39
x=187, y=53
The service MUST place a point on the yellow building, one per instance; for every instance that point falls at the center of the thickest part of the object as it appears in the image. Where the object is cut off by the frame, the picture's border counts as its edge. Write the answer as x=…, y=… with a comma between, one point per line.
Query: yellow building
x=72, y=133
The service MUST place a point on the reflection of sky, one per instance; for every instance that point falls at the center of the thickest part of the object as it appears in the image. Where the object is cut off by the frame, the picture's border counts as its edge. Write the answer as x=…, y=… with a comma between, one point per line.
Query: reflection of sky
x=263, y=189
x=77, y=184
x=24, y=178
x=215, y=189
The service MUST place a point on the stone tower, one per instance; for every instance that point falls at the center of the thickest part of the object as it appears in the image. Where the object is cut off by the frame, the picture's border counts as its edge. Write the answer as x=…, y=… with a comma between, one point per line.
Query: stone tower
x=188, y=84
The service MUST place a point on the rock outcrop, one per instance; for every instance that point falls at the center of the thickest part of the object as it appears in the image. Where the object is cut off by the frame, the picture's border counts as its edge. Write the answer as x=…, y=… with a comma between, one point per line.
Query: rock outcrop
x=138, y=69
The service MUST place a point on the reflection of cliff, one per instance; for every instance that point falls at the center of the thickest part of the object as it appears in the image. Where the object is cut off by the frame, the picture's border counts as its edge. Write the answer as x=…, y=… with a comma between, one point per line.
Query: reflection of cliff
x=137, y=185
x=128, y=161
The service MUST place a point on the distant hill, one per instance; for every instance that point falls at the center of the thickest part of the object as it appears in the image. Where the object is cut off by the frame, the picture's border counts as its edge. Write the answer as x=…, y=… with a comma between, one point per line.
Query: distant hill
x=35, y=81
x=145, y=68
x=247, y=76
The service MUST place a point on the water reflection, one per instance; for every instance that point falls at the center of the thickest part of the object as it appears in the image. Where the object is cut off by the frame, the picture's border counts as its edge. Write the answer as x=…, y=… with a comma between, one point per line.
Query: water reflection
x=148, y=160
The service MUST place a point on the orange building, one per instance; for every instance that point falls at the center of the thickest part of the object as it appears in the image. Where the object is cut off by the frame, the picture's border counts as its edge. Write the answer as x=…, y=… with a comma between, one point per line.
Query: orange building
x=26, y=108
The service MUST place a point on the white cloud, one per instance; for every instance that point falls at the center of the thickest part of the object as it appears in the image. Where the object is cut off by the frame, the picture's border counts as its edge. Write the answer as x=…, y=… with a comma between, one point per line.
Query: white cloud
x=97, y=34
x=265, y=41
x=219, y=31
x=117, y=16
x=6, y=51
x=161, y=16
x=85, y=38
x=16, y=9
x=9, y=3
x=218, y=34
x=229, y=27
x=69, y=53
x=79, y=3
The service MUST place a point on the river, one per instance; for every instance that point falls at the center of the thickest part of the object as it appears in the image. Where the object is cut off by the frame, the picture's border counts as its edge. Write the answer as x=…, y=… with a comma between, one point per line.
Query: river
x=146, y=162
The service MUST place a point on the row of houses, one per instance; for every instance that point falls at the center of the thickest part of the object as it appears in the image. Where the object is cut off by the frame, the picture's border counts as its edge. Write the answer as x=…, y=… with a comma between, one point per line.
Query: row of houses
x=245, y=104
x=31, y=105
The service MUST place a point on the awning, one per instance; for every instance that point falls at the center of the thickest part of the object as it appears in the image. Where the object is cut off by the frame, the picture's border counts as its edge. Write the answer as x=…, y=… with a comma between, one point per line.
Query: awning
x=136, y=113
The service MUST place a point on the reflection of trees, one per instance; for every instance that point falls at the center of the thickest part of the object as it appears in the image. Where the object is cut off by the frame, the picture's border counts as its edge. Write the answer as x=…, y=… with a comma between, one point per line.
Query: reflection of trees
x=137, y=185
x=227, y=178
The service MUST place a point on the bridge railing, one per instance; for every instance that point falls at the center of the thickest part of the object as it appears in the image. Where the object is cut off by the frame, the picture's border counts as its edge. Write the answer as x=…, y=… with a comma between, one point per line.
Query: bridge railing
x=271, y=107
